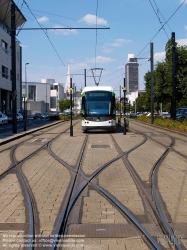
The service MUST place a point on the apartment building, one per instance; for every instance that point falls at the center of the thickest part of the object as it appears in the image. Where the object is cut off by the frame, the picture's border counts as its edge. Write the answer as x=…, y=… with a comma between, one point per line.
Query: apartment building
x=6, y=57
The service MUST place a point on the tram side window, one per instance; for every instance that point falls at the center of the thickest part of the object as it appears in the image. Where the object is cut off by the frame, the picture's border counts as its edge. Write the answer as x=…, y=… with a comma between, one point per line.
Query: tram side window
x=83, y=106
x=114, y=105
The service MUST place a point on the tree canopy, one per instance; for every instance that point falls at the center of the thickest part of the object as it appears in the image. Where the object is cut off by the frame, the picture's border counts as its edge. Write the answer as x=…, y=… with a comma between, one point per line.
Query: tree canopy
x=163, y=79
x=64, y=104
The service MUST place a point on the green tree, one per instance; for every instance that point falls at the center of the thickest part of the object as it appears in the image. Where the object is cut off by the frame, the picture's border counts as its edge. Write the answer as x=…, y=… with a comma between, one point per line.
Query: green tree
x=163, y=79
x=64, y=104
x=142, y=104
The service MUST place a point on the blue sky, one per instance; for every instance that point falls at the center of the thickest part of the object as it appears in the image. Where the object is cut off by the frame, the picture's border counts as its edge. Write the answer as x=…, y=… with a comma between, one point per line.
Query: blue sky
x=132, y=23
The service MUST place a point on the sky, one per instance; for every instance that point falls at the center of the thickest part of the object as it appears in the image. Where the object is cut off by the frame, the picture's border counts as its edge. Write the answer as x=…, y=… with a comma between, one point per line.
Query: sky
x=128, y=27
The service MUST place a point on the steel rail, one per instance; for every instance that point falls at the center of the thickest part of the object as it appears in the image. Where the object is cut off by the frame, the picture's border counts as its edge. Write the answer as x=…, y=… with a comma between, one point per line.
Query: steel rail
x=158, y=213
x=26, y=187
x=28, y=199
x=61, y=225
x=82, y=187
x=168, y=229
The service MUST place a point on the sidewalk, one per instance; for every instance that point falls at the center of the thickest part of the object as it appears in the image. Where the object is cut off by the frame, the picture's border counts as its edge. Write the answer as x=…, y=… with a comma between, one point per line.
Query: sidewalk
x=10, y=136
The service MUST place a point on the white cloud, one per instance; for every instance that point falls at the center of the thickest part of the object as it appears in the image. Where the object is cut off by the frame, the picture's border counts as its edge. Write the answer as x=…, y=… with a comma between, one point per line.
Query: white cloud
x=119, y=42
x=107, y=48
x=181, y=1
x=43, y=19
x=182, y=42
x=100, y=59
x=91, y=19
x=65, y=32
x=158, y=57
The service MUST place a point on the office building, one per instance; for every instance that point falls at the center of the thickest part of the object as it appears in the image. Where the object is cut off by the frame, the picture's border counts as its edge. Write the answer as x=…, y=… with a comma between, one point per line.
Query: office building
x=132, y=74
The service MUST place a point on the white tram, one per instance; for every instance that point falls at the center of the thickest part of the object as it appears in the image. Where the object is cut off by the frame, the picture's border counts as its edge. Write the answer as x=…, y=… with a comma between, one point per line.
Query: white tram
x=98, y=108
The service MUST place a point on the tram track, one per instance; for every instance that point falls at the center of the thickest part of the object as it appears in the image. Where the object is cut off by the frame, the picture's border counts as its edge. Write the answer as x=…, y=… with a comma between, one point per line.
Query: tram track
x=83, y=178
x=157, y=201
x=86, y=182
x=16, y=167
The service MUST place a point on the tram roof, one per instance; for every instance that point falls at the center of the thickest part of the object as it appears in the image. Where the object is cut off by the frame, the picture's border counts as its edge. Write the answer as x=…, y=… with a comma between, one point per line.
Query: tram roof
x=95, y=88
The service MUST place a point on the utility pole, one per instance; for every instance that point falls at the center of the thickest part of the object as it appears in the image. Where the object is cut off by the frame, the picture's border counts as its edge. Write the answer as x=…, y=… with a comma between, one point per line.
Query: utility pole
x=124, y=90
x=14, y=91
x=120, y=102
x=152, y=83
x=173, y=76
x=84, y=77
x=71, y=127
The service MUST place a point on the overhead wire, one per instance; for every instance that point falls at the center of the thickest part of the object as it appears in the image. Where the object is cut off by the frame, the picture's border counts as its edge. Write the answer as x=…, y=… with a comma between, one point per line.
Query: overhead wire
x=112, y=73
x=80, y=21
x=96, y=34
x=162, y=27
x=161, y=14
x=53, y=21
x=156, y=13
x=113, y=79
x=45, y=32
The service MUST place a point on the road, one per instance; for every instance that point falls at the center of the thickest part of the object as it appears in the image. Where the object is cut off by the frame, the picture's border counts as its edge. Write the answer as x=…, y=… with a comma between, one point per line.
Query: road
x=6, y=130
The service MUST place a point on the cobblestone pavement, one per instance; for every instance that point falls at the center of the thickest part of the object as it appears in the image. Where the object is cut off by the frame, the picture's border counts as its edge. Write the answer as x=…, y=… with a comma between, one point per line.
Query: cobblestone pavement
x=49, y=181
x=100, y=149
x=172, y=184
x=95, y=215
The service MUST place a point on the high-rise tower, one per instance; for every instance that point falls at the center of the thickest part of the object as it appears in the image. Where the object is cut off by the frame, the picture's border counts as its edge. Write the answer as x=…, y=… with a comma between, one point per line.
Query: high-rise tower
x=132, y=74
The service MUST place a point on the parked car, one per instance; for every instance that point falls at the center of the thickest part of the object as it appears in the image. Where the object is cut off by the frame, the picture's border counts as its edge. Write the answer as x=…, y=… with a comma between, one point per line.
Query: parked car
x=19, y=117
x=10, y=118
x=37, y=116
x=1, y=118
x=45, y=115
x=5, y=119
x=166, y=116
x=181, y=113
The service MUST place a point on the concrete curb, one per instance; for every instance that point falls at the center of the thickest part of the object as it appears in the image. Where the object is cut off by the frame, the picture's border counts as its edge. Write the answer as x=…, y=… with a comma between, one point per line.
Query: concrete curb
x=22, y=134
x=157, y=126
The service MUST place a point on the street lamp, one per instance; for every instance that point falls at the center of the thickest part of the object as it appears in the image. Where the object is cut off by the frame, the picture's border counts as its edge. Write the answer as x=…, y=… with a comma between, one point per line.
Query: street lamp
x=26, y=80
x=24, y=117
x=25, y=97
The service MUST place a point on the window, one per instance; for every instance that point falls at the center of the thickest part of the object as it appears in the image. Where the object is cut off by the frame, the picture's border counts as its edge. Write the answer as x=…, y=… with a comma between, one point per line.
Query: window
x=32, y=92
x=4, y=72
x=4, y=46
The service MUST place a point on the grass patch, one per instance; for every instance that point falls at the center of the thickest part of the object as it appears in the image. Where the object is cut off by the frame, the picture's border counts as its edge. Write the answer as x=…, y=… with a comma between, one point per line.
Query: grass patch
x=167, y=123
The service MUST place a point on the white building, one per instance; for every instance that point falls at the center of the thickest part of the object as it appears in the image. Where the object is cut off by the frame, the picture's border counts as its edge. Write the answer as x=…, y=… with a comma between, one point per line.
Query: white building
x=6, y=57
x=132, y=96
x=42, y=96
x=56, y=94
x=37, y=91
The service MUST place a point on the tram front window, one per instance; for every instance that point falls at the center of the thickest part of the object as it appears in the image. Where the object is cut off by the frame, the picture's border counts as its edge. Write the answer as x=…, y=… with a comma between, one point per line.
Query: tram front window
x=98, y=103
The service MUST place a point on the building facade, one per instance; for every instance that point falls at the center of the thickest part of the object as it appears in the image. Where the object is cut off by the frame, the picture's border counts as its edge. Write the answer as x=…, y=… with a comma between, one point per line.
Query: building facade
x=132, y=74
x=42, y=96
x=6, y=58
x=56, y=94
x=38, y=96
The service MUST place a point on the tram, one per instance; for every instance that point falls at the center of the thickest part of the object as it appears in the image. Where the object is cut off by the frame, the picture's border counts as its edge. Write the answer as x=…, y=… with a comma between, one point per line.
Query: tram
x=98, y=108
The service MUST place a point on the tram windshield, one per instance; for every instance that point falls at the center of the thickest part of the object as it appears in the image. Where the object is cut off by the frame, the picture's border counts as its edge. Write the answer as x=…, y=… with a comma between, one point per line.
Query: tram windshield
x=98, y=103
